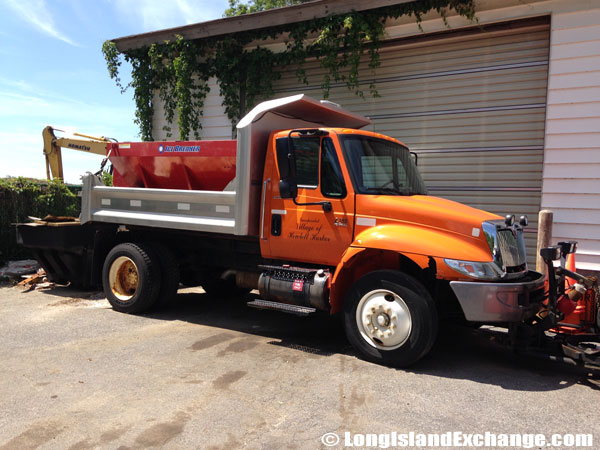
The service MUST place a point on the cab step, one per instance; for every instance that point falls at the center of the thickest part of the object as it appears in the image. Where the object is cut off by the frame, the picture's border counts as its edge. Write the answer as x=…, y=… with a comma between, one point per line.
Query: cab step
x=283, y=307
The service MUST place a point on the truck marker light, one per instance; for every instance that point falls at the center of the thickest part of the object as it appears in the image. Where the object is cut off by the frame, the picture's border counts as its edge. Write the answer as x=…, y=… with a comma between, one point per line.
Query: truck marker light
x=509, y=220
x=279, y=211
x=136, y=203
x=366, y=221
x=475, y=232
x=105, y=202
x=183, y=206
x=222, y=208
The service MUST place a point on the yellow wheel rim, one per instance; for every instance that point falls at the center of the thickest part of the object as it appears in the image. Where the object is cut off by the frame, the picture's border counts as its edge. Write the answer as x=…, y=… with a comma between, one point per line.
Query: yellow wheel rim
x=123, y=278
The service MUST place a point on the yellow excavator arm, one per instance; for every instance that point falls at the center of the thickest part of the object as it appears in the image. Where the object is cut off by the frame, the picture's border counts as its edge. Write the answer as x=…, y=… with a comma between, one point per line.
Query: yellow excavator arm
x=53, y=145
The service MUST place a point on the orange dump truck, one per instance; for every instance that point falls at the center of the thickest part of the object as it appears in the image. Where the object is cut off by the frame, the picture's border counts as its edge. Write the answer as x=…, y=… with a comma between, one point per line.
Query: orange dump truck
x=315, y=214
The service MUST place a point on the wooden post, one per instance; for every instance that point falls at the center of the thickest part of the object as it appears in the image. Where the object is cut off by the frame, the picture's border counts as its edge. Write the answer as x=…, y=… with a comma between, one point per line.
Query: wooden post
x=544, y=236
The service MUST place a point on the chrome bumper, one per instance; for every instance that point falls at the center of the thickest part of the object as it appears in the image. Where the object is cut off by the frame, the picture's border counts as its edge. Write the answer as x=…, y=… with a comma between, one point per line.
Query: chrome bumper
x=500, y=302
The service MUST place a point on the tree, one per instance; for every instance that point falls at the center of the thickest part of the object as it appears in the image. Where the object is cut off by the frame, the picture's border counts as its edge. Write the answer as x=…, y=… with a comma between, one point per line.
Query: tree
x=237, y=8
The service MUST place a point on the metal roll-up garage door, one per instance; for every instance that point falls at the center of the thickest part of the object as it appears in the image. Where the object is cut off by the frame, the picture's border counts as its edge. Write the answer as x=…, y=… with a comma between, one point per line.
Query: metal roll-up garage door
x=471, y=104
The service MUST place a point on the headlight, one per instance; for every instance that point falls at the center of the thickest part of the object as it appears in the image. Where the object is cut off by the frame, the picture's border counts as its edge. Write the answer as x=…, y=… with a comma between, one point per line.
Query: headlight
x=480, y=270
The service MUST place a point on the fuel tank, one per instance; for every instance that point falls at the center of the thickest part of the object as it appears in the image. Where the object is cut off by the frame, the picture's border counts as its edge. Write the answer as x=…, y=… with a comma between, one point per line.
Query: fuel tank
x=189, y=165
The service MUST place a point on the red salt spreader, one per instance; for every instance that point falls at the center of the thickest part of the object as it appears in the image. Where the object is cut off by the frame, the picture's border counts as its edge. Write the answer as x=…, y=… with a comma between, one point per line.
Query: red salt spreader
x=189, y=165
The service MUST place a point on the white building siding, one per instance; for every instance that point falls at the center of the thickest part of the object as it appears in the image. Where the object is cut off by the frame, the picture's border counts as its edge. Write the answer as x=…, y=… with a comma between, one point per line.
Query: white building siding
x=571, y=175
x=215, y=124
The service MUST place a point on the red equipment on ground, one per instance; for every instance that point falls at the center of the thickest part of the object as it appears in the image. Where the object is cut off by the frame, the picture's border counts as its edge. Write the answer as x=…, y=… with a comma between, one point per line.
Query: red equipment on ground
x=578, y=304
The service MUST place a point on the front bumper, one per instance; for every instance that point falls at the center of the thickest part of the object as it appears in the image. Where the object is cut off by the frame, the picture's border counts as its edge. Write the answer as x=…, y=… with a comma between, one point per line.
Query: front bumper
x=500, y=302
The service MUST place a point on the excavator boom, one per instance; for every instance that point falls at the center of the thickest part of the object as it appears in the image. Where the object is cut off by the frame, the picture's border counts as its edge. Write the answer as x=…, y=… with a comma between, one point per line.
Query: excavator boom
x=53, y=146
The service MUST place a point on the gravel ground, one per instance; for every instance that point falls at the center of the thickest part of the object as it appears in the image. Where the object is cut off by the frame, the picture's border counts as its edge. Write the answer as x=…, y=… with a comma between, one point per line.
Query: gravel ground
x=212, y=374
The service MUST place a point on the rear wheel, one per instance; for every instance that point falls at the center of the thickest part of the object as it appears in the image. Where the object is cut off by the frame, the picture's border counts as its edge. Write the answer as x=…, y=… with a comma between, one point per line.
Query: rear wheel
x=131, y=278
x=390, y=318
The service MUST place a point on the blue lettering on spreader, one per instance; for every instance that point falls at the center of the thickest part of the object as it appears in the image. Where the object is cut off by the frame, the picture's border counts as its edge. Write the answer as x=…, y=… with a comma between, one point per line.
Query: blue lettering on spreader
x=179, y=148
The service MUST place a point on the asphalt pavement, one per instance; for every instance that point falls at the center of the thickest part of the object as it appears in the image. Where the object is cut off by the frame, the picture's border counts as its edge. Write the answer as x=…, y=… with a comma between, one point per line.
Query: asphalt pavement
x=208, y=373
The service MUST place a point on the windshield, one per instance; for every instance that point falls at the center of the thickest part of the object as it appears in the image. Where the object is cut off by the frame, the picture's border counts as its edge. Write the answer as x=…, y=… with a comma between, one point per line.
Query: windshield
x=379, y=166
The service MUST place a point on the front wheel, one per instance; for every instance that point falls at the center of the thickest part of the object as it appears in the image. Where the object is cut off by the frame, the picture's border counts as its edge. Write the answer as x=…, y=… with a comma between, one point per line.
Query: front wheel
x=390, y=318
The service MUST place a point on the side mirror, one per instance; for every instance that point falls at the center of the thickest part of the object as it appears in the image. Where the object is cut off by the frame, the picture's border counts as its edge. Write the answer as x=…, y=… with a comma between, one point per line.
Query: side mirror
x=288, y=188
x=286, y=160
x=415, y=157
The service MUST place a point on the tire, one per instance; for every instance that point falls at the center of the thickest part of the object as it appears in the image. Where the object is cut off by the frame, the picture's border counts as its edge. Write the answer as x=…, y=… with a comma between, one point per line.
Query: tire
x=131, y=277
x=384, y=298
x=169, y=274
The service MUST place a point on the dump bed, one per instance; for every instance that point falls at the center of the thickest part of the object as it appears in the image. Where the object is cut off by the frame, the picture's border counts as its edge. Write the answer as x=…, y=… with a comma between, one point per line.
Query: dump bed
x=211, y=211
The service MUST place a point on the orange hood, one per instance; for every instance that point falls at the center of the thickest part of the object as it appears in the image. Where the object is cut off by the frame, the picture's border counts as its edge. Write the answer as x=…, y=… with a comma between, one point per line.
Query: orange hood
x=423, y=210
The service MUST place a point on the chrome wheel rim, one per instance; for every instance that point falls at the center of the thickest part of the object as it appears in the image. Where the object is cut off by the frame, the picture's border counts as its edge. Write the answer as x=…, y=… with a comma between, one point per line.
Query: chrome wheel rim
x=383, y=319
x=123, y=278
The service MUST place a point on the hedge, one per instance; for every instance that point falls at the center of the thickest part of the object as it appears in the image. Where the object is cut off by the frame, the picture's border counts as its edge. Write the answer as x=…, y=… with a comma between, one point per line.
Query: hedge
x=22, y=197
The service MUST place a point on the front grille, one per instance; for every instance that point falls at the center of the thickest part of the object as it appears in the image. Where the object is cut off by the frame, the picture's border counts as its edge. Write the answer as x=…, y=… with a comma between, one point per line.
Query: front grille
x=512, y=247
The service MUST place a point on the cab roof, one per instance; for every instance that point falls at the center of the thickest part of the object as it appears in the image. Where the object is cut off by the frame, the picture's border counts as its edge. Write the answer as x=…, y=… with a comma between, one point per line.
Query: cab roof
x=338, y=131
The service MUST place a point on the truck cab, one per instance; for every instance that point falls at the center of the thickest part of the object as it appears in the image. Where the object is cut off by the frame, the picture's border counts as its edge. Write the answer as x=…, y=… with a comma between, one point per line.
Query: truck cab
x=353, y=188
x=353, y=201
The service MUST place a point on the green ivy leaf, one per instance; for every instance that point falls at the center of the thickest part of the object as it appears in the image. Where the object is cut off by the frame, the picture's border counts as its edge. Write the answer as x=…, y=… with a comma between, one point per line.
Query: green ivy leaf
x=178, y=71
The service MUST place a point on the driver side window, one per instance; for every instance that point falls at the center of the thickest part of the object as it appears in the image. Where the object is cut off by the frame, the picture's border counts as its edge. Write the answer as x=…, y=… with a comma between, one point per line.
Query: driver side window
x=332, y=180
x=306, y=150
x=312, y=154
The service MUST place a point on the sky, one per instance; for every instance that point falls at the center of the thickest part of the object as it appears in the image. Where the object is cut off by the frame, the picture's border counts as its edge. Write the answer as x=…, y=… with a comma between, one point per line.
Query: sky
x=52, y=72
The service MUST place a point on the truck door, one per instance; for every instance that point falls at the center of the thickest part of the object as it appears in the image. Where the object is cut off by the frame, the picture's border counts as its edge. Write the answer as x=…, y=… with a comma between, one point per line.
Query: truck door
x=309, y=233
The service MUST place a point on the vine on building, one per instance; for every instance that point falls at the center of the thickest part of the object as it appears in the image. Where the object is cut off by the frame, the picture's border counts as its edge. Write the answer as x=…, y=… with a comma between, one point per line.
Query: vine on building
x=178, y=71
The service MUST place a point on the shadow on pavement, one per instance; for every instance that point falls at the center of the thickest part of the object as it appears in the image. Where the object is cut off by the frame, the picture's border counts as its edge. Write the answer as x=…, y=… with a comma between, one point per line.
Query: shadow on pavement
x=459, y=353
